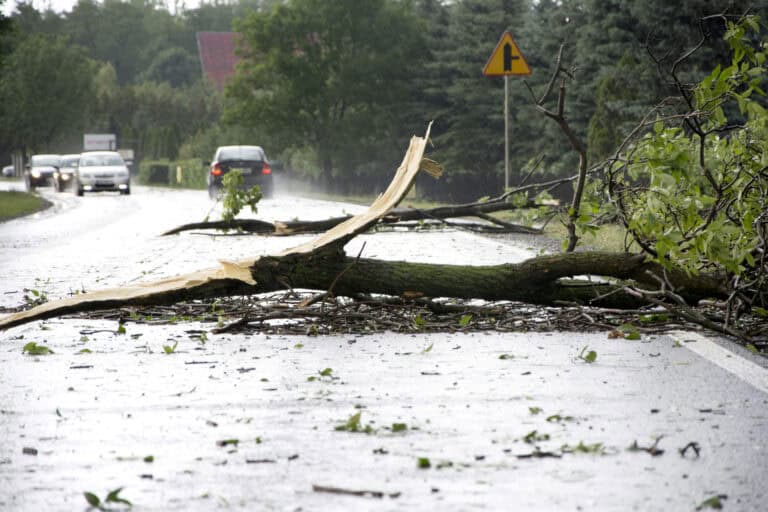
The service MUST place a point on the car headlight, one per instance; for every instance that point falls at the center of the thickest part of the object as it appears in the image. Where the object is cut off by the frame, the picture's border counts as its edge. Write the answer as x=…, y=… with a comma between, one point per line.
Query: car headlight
x=35, y=174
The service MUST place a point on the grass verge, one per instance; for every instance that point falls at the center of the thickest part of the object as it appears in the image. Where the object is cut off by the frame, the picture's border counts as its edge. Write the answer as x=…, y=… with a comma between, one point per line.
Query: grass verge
x=18, y=204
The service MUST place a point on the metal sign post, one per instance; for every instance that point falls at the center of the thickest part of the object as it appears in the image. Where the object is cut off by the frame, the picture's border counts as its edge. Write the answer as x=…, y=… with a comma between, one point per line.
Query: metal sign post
x=506, y=60
x=506, y=132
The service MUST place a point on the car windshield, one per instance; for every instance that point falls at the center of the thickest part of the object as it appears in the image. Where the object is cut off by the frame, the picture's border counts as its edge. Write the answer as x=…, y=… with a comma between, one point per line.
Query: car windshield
x=70, y=161
x=241, y=153
x=96, y=160
x=40, y=161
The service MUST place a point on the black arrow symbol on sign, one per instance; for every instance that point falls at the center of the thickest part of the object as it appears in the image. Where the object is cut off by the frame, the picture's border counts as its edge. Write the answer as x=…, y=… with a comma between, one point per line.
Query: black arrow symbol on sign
x=508, y=57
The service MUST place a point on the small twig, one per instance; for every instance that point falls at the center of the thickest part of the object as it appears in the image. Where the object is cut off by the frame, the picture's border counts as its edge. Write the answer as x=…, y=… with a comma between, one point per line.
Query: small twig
x=694, y=446
x=515, y=228
x=352, y=492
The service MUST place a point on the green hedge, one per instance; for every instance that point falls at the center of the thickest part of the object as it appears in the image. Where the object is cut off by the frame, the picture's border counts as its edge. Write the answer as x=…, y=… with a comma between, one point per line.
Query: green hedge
x=189, y=173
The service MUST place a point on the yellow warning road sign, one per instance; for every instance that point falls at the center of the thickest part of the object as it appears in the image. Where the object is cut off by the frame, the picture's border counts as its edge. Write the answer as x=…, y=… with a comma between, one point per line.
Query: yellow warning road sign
x=506, y=59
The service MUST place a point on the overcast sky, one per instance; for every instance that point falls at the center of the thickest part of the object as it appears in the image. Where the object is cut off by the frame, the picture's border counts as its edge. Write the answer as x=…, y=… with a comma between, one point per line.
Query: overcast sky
x=41, y=5
x=66, y=5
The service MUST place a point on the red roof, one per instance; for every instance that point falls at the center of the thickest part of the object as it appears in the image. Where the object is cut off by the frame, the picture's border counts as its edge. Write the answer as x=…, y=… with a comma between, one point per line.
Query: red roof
x=217, y=56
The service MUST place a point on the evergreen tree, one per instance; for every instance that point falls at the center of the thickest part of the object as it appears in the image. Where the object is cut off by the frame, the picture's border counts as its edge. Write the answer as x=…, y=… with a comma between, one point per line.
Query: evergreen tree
x=472, y=141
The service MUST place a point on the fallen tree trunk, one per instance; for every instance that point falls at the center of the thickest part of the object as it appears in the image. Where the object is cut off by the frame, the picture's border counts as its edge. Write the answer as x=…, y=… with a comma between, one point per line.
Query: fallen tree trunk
x=535, y=281
x=286, y=228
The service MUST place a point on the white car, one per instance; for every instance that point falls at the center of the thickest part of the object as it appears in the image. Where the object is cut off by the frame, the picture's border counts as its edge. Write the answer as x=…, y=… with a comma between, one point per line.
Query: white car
x=8, y=171
x=101, y=170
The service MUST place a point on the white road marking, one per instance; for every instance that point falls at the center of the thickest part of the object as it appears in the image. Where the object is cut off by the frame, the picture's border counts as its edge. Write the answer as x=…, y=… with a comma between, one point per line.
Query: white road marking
x=745, y=369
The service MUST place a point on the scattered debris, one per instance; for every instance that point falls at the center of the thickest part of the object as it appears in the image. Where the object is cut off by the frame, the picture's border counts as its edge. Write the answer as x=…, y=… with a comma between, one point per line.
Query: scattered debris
x=692, y=446
x=537, y=453
x=653, y=450
x=351, y=492
x=280, y=313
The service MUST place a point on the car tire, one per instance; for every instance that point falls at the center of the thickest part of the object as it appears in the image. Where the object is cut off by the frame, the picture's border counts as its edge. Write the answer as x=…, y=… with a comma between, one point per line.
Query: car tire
x=126, y=192
x=77, y=189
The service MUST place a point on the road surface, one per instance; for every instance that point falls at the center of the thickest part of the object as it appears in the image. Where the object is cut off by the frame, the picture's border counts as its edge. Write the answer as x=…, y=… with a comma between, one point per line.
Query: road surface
x=499, y=421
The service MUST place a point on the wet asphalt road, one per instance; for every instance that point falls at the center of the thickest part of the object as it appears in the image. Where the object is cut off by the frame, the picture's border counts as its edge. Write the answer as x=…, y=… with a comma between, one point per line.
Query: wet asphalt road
x=473, y=405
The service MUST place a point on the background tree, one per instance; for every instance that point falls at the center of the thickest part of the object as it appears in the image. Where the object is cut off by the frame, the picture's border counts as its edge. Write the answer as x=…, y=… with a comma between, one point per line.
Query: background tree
x=329, y=75
x=45, y=89
x=471, y=142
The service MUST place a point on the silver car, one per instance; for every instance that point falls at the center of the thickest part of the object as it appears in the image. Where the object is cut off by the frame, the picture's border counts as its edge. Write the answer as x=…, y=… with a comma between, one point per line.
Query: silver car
x=101, y=170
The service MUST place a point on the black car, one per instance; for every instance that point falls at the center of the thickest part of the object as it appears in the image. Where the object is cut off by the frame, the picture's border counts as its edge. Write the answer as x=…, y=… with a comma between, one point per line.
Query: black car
x=39, y=171
x=64, y=176
x=249, y=160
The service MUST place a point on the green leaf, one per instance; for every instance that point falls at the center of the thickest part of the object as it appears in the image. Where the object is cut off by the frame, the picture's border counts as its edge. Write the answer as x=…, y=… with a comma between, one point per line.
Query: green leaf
x=33, y=349
x=653, y=318
x=559, y=418
x=588, y=356
x=149, y=459
x=168, y=349
x=715, y=502
x=423, y=463
x=399, y=427
x=534, y=437
x=92, y=499
x=114, y=497
x=595, y=448
x=428, y=349
x=465, y=319
x=121, y=329
x=535, y=410
x=352, y=424
x=752, y=348
x=326, y=373
x=629, y=331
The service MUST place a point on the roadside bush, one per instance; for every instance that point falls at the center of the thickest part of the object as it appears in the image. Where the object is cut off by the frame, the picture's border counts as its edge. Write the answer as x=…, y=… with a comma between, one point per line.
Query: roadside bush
x=190, y=173
x=154, y=172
